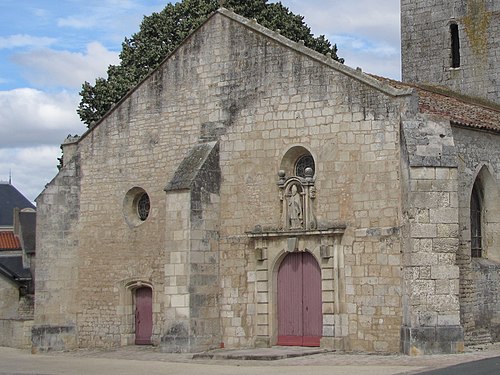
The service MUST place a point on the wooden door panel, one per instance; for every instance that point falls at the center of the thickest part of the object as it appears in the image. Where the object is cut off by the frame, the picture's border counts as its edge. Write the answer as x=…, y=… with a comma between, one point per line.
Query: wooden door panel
x=290, y=300
x=311, y=308
x=143, y=316
x=300, y=319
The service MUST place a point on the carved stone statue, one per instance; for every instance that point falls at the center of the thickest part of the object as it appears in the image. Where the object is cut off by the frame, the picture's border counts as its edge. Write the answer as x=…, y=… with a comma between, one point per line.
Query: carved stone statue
x=295, y=209
x=297, y=194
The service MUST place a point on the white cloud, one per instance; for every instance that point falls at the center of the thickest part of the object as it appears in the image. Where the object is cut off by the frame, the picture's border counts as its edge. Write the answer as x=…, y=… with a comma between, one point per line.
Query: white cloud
x=385, y=66
x=32, y=168
x=40, y=13
x=76, y=22
x=51, y=68
x=24, y=40
x=378, y=21
x=366, y=34
x=103, y=15
x=32, y=117
x=110, y=19
x=363, y=45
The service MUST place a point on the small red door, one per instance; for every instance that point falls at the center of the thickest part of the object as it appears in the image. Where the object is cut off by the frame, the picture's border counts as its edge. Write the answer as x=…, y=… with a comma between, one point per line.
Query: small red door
x=143, y=316
x=300, y=320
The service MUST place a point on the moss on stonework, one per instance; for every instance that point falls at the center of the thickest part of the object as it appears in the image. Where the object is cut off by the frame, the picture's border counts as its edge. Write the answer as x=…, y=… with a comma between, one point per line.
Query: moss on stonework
x=476, y=24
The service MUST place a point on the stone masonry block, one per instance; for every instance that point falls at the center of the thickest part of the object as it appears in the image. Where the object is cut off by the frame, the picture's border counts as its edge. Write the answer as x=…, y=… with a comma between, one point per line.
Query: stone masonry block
x=423, y=230
x=445, y=245
x=431, y=199
x=423, y=173
x=449, y=272
x=444, y=215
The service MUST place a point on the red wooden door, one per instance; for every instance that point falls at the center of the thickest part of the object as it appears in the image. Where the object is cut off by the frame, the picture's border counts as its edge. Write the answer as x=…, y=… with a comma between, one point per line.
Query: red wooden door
x=143, y=316
x=300, y=319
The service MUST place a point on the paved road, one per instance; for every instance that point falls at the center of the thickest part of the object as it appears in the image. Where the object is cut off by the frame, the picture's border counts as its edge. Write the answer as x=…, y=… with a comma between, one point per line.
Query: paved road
x=15, y=362
x=490, y=366
x=140, y=360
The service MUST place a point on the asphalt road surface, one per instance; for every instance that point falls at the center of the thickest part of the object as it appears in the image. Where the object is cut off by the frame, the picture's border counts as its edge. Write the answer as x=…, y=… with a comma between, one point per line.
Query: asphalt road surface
x=490, y=366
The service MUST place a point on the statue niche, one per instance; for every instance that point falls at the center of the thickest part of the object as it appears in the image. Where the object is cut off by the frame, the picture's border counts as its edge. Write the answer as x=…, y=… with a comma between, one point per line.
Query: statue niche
x=296, y=195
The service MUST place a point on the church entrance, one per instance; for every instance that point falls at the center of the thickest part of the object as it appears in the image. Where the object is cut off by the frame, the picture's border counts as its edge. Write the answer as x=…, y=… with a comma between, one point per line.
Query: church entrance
x=300, y=318
x=143, y=316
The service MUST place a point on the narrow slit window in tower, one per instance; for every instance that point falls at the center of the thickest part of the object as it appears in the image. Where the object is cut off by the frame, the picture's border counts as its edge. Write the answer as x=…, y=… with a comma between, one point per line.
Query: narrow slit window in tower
x=455, y=46
x=475, y=223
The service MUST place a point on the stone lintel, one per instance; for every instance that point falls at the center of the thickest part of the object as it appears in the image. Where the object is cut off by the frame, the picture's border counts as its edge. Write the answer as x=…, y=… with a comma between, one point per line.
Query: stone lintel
x=297, y=233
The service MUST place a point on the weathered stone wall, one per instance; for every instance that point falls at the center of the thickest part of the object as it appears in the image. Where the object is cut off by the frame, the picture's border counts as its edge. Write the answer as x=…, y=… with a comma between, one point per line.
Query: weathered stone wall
x=486, y=309
x=26, y=307
x=16, y=315
x=192, y=272
x=16, y=333
x=479, y=280
x=57, y=239
x=9, y=299
x=431, y=320
x=426, y=45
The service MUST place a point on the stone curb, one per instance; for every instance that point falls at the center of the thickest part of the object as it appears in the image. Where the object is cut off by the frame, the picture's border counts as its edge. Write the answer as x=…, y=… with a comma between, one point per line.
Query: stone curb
x=256, y=354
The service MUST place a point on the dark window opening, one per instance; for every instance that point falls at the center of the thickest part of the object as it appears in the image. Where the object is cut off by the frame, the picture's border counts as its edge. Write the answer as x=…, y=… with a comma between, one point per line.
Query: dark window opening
x=305, y=161
x=143, y=207
x=455, y=46
x=475, y=223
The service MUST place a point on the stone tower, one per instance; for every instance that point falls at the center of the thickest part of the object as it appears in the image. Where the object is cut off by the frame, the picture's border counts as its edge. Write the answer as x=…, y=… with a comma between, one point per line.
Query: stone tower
x=452, y=43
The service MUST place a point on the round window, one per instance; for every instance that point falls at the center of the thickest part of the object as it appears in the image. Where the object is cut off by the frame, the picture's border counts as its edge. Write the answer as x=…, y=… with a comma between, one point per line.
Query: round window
x=305, y=161
x=136, y=206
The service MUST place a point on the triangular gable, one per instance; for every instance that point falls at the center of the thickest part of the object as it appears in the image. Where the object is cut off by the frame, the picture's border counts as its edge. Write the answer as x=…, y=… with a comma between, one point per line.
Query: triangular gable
x=299, y=47
x=326, y=60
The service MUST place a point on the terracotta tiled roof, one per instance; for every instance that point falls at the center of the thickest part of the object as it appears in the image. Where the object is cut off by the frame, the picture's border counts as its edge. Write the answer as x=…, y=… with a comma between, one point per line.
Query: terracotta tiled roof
x=8, y=241
x=459, y=109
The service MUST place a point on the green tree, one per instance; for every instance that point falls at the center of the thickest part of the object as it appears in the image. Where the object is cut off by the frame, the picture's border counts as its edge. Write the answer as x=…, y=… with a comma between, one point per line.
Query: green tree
x=160, y=33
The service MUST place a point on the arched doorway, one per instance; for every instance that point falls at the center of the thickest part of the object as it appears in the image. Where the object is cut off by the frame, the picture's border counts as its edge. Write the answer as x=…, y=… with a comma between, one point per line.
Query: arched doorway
x=300, y=319
x=143, y=316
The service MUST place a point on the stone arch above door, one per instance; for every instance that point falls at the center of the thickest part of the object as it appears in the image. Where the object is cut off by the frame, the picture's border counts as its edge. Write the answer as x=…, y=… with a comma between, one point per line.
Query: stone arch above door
x=126, y=308
x=325, y=247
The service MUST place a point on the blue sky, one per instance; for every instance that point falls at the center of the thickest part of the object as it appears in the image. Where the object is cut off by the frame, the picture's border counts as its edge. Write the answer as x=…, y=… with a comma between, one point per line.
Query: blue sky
x=48, y=48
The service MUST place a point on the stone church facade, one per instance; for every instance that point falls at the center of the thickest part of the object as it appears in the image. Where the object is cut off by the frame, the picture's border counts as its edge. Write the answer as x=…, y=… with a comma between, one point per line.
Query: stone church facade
x=252, y=192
